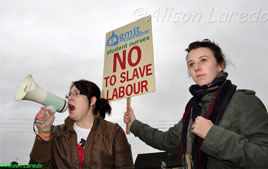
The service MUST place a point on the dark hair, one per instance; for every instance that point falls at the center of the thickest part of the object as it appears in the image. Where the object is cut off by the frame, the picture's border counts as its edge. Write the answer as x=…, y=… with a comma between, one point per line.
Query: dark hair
x=90, y=89
x=220, y=58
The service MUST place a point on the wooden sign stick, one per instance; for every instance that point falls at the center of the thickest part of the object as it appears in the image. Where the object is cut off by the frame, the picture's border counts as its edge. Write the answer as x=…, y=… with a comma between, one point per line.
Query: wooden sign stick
x=128, y=110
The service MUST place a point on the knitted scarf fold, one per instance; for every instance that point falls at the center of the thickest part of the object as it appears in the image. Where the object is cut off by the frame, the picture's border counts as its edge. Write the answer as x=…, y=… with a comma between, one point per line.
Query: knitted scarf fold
x=192, y=156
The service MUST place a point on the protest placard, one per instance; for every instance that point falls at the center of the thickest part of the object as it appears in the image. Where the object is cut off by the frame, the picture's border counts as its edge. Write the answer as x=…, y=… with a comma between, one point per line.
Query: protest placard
x=128, y=63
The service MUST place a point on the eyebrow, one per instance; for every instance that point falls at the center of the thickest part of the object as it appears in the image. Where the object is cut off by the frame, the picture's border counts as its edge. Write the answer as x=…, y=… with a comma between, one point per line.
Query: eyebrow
x=74, y=91
x=203, y=56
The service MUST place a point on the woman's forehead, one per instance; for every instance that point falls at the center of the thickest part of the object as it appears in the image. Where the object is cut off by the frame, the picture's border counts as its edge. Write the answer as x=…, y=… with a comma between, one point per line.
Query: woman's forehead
x=74, y=88
x=200, y=52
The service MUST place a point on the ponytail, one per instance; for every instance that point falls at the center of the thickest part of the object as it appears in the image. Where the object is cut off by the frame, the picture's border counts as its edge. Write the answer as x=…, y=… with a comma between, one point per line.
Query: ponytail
x=103, y=107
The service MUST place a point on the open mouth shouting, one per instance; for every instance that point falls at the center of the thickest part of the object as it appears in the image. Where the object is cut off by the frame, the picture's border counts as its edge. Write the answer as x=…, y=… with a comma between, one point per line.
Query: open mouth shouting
x=71, y=107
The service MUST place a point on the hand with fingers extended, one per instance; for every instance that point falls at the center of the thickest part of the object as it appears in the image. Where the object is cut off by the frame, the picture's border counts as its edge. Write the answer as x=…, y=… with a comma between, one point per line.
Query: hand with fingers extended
x=129, y=117
x=201, y=126
x=41, y=115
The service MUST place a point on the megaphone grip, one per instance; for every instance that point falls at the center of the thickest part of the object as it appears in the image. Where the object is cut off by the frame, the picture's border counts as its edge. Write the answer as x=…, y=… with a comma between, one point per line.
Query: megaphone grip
x=52, y=108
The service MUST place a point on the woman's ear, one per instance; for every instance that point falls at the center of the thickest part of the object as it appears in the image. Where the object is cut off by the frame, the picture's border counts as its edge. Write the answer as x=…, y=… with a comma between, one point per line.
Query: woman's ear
x=221, y=66
x=93, y=100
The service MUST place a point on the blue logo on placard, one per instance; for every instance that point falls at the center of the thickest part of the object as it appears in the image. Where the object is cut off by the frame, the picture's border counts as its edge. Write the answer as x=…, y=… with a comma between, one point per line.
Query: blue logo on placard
x=126, y=36
x=113, y=40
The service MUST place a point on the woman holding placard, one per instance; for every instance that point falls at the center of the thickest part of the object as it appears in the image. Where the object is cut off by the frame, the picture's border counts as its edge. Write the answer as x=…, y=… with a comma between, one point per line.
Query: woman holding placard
x=221, y=128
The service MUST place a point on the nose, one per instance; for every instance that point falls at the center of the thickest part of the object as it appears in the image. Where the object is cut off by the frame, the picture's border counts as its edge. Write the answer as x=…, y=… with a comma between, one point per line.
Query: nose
x=197, y=67
x=70, y=97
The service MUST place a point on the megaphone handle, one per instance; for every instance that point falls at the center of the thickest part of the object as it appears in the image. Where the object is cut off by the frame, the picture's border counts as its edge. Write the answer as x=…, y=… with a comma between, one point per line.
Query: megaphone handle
x=52, y=108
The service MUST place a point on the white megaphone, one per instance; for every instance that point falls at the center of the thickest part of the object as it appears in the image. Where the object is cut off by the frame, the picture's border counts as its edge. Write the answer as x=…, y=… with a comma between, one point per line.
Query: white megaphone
x=30, y=90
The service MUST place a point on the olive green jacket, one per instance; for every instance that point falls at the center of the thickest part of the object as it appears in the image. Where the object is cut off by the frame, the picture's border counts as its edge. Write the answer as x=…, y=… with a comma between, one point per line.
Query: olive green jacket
x=239, y=141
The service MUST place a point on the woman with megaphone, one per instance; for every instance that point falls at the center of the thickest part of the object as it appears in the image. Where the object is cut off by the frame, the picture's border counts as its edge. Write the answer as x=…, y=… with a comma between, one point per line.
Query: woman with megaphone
x=85, y=140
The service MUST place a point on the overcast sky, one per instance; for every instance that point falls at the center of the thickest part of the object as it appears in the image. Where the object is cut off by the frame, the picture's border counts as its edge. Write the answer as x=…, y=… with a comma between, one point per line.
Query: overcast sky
x=59, y=41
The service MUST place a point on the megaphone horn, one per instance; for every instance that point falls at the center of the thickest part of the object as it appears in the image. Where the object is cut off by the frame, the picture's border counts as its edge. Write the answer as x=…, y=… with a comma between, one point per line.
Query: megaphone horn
x=30, y=90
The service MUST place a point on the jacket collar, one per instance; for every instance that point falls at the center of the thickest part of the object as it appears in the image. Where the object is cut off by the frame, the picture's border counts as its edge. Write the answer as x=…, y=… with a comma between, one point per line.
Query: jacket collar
x=69, y=123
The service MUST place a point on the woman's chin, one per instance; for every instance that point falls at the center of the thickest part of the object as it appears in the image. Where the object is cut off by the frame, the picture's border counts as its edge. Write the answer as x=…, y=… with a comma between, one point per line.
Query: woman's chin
x=203, y=83
x=71, y=115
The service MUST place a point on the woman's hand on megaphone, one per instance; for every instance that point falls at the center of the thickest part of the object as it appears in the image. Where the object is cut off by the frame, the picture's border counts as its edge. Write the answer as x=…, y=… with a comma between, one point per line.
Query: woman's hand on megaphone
x=41, y=115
